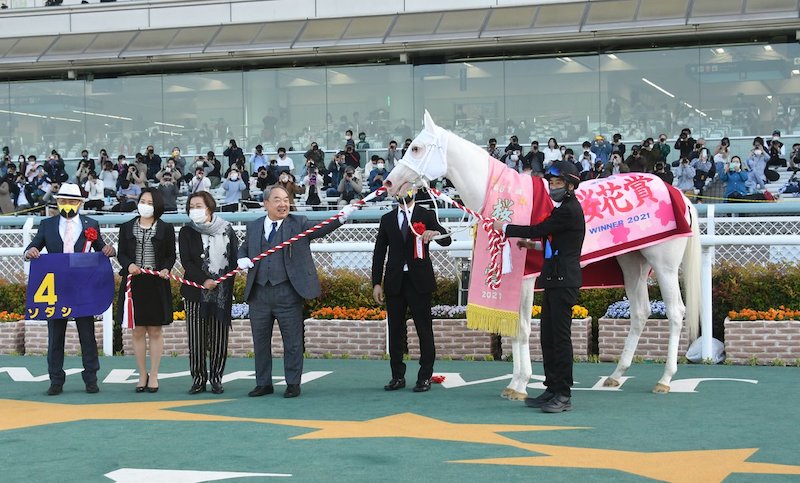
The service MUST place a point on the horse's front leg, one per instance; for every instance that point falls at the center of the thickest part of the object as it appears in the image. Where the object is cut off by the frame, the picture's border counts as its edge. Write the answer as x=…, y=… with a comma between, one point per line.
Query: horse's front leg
x=521, y=351
x=671, y=292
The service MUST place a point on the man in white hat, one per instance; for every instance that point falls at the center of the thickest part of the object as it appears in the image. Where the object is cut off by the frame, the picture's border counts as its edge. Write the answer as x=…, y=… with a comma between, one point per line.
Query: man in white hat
x=66, y=233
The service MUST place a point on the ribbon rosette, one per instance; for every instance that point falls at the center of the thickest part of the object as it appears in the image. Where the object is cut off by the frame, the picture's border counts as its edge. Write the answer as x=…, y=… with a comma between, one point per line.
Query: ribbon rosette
x=419, y=249
x=91, y=236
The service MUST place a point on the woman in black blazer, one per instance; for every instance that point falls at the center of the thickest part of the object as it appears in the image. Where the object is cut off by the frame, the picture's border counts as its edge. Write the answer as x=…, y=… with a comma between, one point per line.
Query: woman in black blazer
x=147, y=242
x=208, y=248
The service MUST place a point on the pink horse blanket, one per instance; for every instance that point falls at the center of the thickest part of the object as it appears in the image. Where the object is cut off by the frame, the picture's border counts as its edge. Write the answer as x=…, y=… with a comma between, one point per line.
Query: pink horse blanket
x=623, y=213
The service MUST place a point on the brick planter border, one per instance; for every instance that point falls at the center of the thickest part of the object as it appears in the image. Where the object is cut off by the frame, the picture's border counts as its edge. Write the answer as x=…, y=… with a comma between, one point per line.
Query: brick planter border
x=36, y=338
x=581, y=340
x=12, y=337
x=653, y=343
x=762, y=341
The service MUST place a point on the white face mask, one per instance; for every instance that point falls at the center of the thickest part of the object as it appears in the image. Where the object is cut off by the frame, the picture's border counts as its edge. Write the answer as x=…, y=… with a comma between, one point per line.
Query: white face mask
x=234, y=177
x=757, y=152
x=348, y=137
x=145, y=210
x=197, y=215
x=381, y=165
x=735, y=166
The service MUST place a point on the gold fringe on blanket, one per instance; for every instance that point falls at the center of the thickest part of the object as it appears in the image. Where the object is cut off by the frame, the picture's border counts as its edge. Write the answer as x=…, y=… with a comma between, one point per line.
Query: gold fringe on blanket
x=502, y=322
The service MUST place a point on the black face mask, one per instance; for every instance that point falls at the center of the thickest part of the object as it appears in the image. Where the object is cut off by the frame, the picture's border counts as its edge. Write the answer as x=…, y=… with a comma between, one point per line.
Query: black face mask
x=559, y=194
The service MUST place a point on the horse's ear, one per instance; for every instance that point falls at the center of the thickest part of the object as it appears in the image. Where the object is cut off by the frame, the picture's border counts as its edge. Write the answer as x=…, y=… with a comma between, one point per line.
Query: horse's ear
x=428, y=122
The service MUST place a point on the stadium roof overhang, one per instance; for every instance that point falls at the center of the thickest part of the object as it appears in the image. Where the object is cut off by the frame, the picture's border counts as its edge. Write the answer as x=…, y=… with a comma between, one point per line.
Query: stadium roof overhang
x=181, y=35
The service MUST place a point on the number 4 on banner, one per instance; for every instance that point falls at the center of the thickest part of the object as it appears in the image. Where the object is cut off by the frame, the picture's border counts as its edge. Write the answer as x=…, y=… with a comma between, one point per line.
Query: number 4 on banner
x=46, y=293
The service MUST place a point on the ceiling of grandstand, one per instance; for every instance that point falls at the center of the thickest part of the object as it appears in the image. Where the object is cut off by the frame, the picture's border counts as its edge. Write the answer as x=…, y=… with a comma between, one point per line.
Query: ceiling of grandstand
x=545, y=28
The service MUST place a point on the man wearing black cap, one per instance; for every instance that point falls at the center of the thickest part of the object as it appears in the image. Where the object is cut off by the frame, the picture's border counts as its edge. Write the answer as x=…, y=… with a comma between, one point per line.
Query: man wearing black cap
x=562, y=236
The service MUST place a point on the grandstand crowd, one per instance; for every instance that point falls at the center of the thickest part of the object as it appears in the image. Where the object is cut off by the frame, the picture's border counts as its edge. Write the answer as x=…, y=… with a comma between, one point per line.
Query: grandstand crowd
x=336, y=178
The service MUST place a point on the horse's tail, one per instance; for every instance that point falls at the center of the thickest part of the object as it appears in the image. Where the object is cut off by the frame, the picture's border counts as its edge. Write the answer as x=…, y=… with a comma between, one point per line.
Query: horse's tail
x=691, y=275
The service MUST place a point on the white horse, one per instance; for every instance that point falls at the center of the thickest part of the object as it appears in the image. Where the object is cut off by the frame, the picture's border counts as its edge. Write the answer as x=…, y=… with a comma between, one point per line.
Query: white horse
x=437, y=152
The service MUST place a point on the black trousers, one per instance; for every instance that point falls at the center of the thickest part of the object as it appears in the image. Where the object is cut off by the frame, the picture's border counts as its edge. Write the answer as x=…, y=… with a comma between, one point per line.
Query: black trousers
x=420, y=305
x=56, y=334
x=206, y=335
x=556, y=337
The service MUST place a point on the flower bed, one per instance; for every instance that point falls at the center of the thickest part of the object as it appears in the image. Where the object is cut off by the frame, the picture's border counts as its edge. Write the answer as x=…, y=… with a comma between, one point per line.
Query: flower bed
x=344, y=313
x=769, y=336
x=614, y=326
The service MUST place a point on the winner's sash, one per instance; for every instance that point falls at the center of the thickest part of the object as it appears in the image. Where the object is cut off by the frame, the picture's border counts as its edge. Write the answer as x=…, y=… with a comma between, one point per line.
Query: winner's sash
x=63, y=285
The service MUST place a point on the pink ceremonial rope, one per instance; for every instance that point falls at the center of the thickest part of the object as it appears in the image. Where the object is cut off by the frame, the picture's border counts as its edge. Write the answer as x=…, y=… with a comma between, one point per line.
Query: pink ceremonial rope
x=496, y=240
x=128, y=316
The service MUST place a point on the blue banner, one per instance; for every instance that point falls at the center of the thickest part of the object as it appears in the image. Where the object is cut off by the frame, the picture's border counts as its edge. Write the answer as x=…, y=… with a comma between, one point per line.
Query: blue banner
x=64, y=285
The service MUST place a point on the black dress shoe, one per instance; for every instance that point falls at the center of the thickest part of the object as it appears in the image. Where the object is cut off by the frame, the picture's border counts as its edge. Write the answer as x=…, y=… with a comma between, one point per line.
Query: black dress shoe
x=423, y=386
x=395, y=384
x=55, y=389
x=197, y=389
x=292, y=390
x=540, y=400
x=259, y=391
x=217, y=388
x=558, y=404
x=142, y=388
x=91, y=388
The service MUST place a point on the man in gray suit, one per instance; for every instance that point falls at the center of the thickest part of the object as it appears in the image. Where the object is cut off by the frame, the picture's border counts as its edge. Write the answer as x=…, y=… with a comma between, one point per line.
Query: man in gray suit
x=278, y=284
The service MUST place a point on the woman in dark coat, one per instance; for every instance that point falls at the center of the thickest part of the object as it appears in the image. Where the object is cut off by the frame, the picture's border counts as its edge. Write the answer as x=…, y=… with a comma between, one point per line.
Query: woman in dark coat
x=147, y=242
x=208, y=248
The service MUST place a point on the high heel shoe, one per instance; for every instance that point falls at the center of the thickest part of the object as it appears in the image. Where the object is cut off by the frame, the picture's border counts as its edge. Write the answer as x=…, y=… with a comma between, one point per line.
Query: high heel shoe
x=142, y=388
x=151, y=389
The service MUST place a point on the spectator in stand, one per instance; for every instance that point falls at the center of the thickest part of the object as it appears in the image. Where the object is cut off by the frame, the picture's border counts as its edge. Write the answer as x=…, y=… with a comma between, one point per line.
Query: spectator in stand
x=636, y=162
x=272, y=172
x=601, y=148
x=121, y=168
x=685, y=143
x=285, y=163
x=262, y=182
x=662, y=172
x=55, y=168
x=141, y=166
x=757, y=162
x=704, y=170
x=215, y=174
x=31, y=167
x=200, y=182
x=152, y=161
x=135, y=177
x=685, y=176
x=109, y=177
x=533, y=162
x=492, y=149
x=662, y=147
x=513, y=145
x=259, y=159
x=233, y=152
x=362, y=143
x=170, y=168
x=95, y=192
x=351, y=156
x=597, y=170
x=233, y=186
x=180, y=161
x=6, y=202
x=393, y=155
x=776, y=150
x=651, y=155
x=699, y=145
x=615, y=166
x=349, y=187
x=82, y=172
x=794, y=158
x=551, y=153
x=288, y=183
x=722, y=154
x=377, y=175
x=40, y=185
x=336, y=174
x=169, y=191
x=735, y=179
x=316, y=154
x=406, y=145
x=127, y=194
x=617, y=146
x=312, y=183
x=89, y=161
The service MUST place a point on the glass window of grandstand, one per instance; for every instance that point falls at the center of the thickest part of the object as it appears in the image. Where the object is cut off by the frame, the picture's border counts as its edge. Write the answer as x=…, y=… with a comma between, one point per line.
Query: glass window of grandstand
x=645, y=94
x=121, y=115
x=749, y=91
x=551, y=98
x=376, y=101
x=465, y=97
x=203, y=112
x=42, y=118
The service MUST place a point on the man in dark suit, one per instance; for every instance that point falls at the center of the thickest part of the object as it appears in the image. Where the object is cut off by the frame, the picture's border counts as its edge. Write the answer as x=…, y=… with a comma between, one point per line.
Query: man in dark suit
x=65, y=233
x=278, y=284
x=562, y=236
x=408, y=283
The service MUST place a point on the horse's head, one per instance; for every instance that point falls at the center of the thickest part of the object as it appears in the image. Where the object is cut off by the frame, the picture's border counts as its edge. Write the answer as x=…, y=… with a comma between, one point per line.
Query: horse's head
x=424, y=161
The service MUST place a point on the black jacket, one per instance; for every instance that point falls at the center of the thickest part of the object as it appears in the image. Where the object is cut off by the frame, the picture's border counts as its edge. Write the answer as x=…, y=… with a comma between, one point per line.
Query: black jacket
x=164, y=245
x=401, y=253
x=192, y=252
x=566, y=228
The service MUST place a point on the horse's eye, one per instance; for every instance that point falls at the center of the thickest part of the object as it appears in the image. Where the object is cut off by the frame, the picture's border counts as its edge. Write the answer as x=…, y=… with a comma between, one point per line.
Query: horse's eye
x=415, y=149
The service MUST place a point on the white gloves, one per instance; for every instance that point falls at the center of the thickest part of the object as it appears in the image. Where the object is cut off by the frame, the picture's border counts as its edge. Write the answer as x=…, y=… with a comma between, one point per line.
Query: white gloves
x=347, y=210
x=244, y=263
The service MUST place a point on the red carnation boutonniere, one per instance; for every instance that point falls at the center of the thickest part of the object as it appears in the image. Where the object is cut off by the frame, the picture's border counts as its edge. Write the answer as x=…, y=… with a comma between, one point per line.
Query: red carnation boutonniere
x=91, y=236
x=437, y=379
x=419, y=249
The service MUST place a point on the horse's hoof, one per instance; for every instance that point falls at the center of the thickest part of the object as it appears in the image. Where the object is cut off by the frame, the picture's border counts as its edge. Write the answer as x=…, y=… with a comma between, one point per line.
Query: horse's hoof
x=517, y=396
x=506, y=392
x=609, y=382
x=661, y=389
